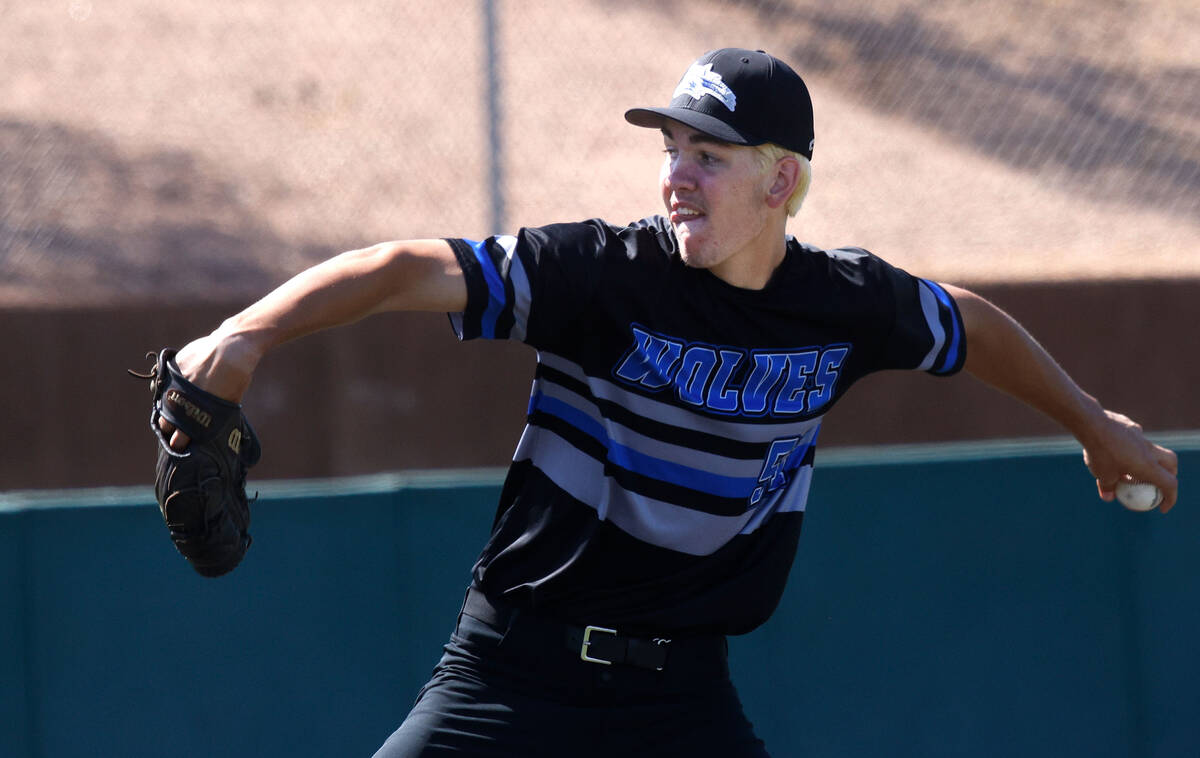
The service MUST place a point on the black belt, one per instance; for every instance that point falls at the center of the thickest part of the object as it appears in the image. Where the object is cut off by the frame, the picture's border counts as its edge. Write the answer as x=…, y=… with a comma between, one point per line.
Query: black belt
x=598, y=644
x=594, y=644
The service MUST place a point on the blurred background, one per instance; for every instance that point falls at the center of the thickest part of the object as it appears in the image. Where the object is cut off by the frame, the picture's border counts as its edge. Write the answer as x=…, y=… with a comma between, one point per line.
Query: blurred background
x=163, y=165
x=959, y=589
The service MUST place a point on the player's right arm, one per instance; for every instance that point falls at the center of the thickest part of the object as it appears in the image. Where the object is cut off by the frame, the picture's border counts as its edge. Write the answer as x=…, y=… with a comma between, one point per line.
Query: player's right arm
x=415, y=275
x=1001, y=353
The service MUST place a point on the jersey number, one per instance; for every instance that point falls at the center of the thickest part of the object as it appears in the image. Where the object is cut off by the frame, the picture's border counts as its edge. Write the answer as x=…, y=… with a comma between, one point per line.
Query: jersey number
x=774, y=474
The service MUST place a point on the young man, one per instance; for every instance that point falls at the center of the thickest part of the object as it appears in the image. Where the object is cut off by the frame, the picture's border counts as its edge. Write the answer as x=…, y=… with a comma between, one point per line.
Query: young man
x=655, y=499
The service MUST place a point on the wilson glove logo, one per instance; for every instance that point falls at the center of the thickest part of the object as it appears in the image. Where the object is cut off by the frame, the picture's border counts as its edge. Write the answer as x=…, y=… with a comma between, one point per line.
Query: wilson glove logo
x=732, y=380
x=178, y=401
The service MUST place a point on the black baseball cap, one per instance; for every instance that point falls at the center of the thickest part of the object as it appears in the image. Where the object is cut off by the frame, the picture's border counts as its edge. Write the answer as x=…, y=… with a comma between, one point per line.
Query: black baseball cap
x=746, y=97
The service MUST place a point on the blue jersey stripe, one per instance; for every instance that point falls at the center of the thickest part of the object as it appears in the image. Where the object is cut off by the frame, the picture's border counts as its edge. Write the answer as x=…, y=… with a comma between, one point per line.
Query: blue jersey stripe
x=573, y=416
x=640, y=463
x=666, y=442
x=652, y=521
x=933, y=319
x=683, y=476
x=952, y=353
x=496, y=298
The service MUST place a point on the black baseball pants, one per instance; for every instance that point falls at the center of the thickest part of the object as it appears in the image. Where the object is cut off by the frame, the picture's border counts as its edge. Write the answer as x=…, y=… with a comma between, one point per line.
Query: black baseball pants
x=512, y=688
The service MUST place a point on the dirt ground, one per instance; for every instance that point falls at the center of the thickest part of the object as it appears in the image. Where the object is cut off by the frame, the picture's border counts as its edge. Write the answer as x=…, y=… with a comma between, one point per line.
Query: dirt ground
x=213, y=149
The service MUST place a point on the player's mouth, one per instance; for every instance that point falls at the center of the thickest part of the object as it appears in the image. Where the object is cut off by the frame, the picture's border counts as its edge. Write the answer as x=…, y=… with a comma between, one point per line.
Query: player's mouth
x=681, y=214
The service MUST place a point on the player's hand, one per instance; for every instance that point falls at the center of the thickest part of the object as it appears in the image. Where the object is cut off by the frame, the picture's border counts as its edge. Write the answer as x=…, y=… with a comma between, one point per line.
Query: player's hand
x=1119, y=451
x=219, y=364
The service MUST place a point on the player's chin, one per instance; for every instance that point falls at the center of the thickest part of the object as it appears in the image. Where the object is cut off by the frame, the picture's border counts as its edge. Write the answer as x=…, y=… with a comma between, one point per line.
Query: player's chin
x=692, y=250
x=700, y=256
x=691, y=257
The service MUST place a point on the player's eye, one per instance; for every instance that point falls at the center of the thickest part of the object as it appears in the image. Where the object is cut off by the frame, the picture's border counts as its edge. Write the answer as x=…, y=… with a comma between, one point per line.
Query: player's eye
x=708, y=159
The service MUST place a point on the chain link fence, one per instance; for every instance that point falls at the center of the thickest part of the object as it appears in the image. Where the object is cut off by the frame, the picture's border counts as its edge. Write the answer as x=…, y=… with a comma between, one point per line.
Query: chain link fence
x=210, y=149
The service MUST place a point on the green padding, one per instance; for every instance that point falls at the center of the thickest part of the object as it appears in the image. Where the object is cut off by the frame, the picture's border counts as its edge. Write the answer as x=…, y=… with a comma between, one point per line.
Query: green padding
x=979, y=606
x=983, y=608
x=16, y=722
x=315, y=646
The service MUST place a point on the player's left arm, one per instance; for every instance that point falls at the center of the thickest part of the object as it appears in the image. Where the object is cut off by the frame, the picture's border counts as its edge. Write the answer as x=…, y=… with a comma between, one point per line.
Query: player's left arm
x=1003, y=354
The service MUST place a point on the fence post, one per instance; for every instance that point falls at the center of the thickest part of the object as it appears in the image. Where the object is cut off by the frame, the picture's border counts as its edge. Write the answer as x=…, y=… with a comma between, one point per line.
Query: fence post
x=494, y=116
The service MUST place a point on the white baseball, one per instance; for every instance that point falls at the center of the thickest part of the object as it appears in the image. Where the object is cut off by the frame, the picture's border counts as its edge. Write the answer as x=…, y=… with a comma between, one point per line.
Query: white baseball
x=1139, y=496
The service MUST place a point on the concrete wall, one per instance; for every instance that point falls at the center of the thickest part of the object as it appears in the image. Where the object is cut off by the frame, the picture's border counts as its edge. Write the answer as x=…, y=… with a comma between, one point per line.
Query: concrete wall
x=983, y=605
x=398, y=391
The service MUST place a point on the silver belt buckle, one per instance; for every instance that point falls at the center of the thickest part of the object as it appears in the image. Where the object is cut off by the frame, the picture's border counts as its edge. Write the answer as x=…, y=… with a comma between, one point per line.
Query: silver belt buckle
x=587, y=641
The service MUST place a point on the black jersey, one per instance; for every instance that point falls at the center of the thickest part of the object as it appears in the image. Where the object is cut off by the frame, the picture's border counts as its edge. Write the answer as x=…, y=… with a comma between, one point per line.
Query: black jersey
x=660, y=482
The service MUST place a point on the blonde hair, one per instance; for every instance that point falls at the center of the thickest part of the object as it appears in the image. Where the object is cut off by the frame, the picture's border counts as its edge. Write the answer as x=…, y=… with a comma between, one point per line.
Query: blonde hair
x=768, y=154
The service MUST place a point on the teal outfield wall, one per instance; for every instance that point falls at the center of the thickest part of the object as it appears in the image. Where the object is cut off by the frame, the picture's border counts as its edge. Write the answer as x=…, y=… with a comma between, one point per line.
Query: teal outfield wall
x=984, y=604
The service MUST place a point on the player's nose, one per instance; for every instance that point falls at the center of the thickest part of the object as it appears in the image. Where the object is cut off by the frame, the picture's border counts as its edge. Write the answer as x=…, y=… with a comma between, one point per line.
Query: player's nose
x=679, y=174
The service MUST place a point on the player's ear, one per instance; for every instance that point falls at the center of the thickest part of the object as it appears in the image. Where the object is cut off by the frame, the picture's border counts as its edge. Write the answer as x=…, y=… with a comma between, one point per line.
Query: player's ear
x=783, y=177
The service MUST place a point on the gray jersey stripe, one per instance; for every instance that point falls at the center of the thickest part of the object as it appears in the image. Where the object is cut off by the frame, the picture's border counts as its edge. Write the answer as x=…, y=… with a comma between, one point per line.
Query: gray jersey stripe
x=929, y=307
x=680, y=417
x=623, y=435
x=456, y=323
x=654, y=521
x=520, y=283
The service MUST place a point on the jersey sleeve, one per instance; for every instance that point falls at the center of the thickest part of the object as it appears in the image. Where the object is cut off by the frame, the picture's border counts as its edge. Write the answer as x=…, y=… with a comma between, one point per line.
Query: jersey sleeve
x=904, y=322
x=928, y=332
x=531, y=286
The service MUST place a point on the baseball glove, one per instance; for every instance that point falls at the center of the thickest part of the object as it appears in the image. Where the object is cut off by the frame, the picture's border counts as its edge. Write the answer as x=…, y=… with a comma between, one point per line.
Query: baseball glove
x=202, y=490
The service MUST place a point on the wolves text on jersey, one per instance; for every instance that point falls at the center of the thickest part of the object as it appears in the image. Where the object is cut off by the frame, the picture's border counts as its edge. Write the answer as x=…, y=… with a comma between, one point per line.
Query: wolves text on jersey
x=731, y=380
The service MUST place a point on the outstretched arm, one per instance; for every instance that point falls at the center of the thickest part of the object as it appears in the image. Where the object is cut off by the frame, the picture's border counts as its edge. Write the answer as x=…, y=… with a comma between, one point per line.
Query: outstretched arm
x=421, y=275
x=1001, y=353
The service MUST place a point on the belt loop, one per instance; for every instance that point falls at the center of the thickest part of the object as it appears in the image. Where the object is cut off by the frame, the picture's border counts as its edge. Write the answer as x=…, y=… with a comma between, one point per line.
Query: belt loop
x=462, y=608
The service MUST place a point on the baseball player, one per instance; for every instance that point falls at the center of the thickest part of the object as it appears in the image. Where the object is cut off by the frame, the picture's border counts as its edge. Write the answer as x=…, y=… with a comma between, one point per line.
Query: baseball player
x=684, y=364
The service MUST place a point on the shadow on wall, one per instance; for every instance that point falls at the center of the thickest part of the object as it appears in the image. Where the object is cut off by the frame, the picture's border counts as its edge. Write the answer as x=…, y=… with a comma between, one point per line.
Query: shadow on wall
x=108, y=225
x=1127, y=134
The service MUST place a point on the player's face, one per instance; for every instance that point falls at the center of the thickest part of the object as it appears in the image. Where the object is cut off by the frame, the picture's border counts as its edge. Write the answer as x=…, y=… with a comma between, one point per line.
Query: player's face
x=715, y=195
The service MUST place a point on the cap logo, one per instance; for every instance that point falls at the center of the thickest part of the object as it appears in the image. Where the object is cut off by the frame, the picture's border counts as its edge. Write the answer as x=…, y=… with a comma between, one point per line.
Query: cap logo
x=702, y=80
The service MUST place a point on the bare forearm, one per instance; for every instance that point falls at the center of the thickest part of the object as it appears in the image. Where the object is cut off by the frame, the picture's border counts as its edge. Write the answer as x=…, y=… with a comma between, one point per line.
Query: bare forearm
x=349, y=287
x=1003, y=354
x=418, y=275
